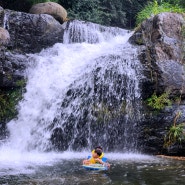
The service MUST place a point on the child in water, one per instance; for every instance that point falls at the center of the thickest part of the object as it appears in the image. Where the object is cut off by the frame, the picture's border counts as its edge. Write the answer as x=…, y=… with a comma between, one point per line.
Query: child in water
x=97, y=156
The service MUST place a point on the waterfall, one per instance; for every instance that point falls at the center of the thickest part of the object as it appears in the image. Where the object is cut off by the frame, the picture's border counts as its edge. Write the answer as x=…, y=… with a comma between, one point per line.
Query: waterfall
x=81, y=31
x=81, y=93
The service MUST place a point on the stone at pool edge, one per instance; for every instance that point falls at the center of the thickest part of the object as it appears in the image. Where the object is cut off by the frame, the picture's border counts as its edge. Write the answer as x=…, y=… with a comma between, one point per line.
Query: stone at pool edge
x=4, y=37
x=50, y=8
x=180, y=158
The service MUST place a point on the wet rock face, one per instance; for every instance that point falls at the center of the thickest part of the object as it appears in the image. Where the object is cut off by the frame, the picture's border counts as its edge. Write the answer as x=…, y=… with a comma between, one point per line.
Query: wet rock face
x=162, y=33
x=161, y=51
x=50, y=8
x=23, y=33
x=31, y=33
x=12, y=69
x=160, y=41
x=155, y=127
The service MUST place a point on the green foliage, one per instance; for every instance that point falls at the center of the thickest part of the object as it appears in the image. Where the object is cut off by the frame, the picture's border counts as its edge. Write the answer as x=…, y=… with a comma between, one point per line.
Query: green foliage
x=21, y=83
x=174, y=135
x=104, y=12
x=154, y=8
x=159, y=102
x=8, y=101
x=180, y=3
x=113, y=13
x=119, y=13
x=85, y=10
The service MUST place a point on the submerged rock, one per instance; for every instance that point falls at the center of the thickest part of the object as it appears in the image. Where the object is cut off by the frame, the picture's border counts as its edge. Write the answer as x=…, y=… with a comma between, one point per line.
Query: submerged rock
x=50, y=8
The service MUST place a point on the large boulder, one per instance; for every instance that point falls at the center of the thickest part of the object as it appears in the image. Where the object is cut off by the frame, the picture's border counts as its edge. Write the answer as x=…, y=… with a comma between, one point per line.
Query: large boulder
x=4, y=37
x=160, y=42
x=51, y=8
x=161, y=51
x=31, y=33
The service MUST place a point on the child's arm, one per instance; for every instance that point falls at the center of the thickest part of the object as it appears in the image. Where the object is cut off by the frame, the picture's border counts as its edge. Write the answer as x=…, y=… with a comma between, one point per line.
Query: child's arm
x=100, y=161
x=86, y=161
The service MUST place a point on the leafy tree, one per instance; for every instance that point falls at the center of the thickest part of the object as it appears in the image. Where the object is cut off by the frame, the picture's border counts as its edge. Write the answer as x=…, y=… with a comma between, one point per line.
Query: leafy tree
x=85, y=10
x=121, y=13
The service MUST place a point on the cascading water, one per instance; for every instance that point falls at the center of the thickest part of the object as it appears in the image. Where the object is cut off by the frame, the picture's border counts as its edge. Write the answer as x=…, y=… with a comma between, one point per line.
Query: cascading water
x=80, y=31
x=79, y=95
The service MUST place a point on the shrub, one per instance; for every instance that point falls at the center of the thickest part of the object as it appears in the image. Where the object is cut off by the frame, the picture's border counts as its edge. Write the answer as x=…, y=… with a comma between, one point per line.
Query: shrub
x=8, y=103
x=174, y=135
x=154, y=8
x=159, y=102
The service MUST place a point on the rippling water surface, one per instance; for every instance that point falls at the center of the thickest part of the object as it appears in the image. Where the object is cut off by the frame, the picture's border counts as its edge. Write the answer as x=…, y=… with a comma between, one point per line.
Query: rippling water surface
x=65, y=169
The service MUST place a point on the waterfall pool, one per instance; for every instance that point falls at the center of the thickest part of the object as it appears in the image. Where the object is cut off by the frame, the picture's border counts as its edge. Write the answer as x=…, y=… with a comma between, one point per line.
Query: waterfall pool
x=65, y=169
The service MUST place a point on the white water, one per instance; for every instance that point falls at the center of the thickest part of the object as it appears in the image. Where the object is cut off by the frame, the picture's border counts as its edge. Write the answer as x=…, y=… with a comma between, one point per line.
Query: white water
x=14, y=162
x=5, y=21
x=54, y=71
x=81, y=31
x=50, y=74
